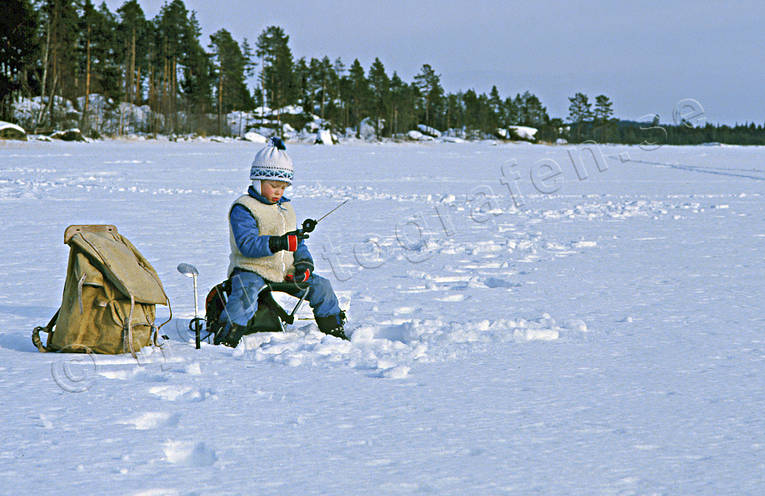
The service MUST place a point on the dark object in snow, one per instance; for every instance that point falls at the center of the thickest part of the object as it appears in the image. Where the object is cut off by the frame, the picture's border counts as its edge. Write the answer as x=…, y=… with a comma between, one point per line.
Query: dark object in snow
x=73, y=134
x=270, y=316
x=333, y=325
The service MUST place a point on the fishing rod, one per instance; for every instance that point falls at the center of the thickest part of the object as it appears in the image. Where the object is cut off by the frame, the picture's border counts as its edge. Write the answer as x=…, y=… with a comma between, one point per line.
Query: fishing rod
x=310, y=224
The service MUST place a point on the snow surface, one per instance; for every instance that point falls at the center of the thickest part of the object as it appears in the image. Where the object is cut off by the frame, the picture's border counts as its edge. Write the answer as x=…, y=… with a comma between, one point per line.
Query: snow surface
x=605, y=337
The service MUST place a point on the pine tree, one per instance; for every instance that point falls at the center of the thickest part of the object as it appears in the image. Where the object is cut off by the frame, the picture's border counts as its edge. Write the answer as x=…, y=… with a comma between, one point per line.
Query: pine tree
x=277, y=74
x=603, y=109
x=429, y=85
x=535, y=114
x=99, y=59
x=402, y=106
x=249, y=59
x=197, y=73
x=319, y=80
x=511, y=112
x=59, y=60
x=18, y=48
x=602, y=116
x=303, y=84
x=169, y=26
x=359, y=94
x=336, y=106
x=379, y=84
x=229, y=76
x=580, y=108
x=579, y=112
x=455, y=111
x=133, y=37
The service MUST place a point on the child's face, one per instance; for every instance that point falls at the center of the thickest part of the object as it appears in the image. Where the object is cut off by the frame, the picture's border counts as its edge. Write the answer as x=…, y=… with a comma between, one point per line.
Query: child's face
x=272, y=190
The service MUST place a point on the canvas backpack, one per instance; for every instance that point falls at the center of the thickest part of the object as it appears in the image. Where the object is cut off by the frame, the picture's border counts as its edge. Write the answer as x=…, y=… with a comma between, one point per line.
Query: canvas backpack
x=109, y=297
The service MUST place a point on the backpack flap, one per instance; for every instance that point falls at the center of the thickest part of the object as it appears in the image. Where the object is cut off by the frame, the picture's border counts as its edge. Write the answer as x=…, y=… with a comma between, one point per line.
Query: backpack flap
x=109, y=296
x=122, y=264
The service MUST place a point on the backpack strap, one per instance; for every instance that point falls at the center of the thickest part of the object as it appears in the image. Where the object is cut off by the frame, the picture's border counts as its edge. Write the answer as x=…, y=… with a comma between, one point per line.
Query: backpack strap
x=47, y=329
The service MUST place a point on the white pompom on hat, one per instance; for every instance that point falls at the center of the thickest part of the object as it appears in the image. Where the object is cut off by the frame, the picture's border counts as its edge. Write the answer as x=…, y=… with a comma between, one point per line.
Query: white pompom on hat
x=272, y=163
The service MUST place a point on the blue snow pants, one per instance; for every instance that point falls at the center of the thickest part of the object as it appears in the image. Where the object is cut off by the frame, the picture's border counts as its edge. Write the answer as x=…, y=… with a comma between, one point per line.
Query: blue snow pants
x=243, y=300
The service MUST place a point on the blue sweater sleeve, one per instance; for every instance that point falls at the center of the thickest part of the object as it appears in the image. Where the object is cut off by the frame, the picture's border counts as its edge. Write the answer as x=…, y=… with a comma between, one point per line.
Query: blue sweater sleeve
x=246, y=234
x=303, y=255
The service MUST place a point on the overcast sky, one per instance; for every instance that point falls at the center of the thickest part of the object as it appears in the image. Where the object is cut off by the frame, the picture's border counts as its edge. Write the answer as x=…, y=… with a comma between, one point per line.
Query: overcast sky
x=645, y=55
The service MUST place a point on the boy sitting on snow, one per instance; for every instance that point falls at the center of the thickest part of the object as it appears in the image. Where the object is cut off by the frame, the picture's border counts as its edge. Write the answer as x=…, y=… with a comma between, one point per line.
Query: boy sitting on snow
x=266, y=247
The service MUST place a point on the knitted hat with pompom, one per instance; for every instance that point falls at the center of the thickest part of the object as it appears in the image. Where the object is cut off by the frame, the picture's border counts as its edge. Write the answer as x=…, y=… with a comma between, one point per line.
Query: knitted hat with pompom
x=272, y=163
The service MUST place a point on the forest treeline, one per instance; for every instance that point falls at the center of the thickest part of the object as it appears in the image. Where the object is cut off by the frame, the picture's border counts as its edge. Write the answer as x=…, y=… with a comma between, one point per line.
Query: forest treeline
x=71, y=50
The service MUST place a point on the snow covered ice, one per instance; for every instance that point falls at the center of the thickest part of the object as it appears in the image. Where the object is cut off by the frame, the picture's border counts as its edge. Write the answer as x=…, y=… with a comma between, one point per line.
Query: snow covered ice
x=602, y=337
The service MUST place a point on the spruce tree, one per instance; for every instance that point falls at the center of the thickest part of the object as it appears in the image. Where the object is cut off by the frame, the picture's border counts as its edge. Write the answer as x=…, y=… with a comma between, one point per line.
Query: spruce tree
x=495, y=103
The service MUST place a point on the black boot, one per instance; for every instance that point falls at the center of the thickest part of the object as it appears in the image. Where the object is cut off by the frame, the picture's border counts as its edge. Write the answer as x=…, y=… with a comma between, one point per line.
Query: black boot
x=233, y=336
x=332, y=325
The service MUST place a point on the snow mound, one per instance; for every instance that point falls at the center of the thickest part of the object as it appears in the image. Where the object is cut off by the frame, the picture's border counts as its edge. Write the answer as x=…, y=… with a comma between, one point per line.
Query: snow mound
x=418, y=136
x=9, y=130
x=255, y=137
x=73, y=134
x=189, y=453
x=429, y=131
x=152, y=420
x=367, y=129
x=324, y=137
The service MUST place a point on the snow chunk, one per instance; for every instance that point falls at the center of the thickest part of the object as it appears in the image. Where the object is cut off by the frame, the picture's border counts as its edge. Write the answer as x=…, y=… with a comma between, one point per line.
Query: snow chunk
x=153, y=420
x=324, y=137
x=585, y=244
x=429, y=131
x=398, y=372
x=255, y=137
x=72, y=134
x=575, y=325
x=524, y=132
x=415, y=135
x=188, y=453
x=367, y=129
